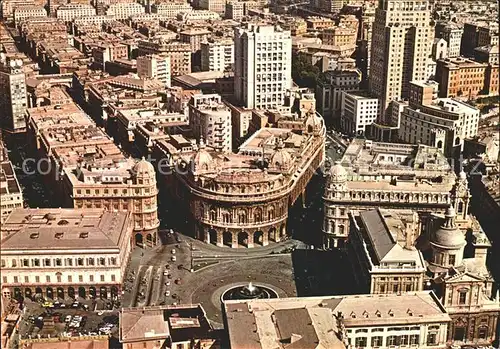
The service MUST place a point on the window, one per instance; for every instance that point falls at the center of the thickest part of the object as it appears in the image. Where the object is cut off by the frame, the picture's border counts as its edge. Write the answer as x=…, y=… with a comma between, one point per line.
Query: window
x=47, y=278
x=14, y=263
x=58, y=262
x=26, y=279
x=432, y=338
x=377, y=341
x=102, y=278
x=4, y=278
x=37, y=279
x=360, y=342
x=482, y=332
x=414, y=339
x=3, y=263
x=462, y=297
x=113, y=277
x=16, y=280
x=79, y=261
x=451, y=259
x=70, y=278
x=91, y=278
x=69, y=262
x=80, y=278
x=392, y=340
x=363, y=330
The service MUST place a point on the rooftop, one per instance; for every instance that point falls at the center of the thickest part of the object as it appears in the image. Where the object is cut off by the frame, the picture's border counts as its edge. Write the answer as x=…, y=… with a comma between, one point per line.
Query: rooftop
x=53, y=229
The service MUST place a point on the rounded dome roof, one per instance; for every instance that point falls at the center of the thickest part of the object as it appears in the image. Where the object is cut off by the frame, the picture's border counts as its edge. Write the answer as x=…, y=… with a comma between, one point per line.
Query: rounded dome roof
x=314, y=120
x=281, y=158
x=338, y=173
x=144, y=168
x=202, y=158
x=448, y=235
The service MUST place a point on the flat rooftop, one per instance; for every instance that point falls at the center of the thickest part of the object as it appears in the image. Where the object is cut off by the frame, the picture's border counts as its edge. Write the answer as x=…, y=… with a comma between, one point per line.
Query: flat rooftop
x=53, y=229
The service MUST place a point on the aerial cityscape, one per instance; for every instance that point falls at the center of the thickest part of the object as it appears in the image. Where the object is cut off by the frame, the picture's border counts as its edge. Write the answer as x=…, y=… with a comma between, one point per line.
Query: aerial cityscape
x=249, y=174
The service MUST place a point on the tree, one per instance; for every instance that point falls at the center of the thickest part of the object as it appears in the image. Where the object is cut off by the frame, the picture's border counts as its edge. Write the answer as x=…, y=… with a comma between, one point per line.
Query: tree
x=304, y=73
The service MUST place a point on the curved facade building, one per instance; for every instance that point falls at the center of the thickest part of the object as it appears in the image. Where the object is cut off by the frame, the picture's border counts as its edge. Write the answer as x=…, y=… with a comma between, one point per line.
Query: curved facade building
x=242, y=199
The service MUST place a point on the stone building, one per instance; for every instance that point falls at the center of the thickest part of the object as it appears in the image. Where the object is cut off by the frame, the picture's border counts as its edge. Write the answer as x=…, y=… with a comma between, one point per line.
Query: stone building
x=55, y=253
x=387, y=175
x=242, y=199
x=11, y=195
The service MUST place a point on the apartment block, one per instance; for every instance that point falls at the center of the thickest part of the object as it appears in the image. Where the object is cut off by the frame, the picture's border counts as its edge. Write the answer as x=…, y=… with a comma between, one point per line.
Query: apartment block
x=338, y=36
x=218, y=6
x=179, y=53
x=170, y=9
x=358, y=110
x=217, y=55
x=452, y=34
x=463, y=77
x=11, y=195
x=210, y=119
x=155, y=66
x=478, y=34
x=401, y=42
x=124, y=10
x=28, y=11
x=68, y=12
x=263, y=65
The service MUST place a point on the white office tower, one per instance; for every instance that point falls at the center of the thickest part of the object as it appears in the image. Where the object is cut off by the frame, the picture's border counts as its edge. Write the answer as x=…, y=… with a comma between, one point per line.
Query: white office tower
x=401, y=43
x=263, y=65
x=155, y=66
x=13, y=99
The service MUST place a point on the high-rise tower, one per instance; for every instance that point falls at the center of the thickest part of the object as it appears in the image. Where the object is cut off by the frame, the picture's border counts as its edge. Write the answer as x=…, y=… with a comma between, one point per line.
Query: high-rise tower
x=401, y=43
x=13, y=100
x=263, y=65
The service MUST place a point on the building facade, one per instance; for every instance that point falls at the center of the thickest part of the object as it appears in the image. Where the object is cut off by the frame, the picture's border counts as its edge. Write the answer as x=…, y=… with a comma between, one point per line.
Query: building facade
x=55, y=253
x=401, y=42
x=179, y=53
x=263, y=66
x=387, y=175
x=358, y=110
x=155, y=67
x=68, y=12
x=13, y=96
x=452, y=34
x=11, y=195
x=217, y=55
x=210, y=119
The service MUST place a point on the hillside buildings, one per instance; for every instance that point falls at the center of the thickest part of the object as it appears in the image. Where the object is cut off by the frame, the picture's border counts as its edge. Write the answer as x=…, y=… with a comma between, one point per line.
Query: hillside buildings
x=401, y=42
x=262, y=71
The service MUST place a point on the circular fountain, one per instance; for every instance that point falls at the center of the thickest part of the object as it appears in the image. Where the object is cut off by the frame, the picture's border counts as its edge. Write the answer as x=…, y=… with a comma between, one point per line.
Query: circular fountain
x=249, y=291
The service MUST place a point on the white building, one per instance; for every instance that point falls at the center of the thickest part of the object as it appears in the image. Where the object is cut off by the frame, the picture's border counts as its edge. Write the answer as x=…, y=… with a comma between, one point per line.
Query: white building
x=210, y=118
x=217, y=55
x=155, y=66
x=69, y=12
x=439, y=122
x=358, y=110
x=23, y=12
x=218, y=6
x=401, y=42
x=59, y=252
x=125, y=10
x=171, y=9
x=13, y=99
x=263, y=65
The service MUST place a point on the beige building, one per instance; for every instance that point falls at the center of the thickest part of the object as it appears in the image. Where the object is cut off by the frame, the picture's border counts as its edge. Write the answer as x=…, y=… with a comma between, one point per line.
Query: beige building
x=401, y=42
x=122, y=11
x=170, y=9
x=263, y=65
x=179, y=53
x=24, y=12
x=415, y=319
x=386, y=175
x=156, y=67
x=339, y=36
x=444, y=123
x=382, y=243
x=235, y=201
x=176, y=327
x=55, y=253
x=194, y=37
x=210, y=119
x=68, y=12
x=105, y=180
x=218, y=6
x=11, y=196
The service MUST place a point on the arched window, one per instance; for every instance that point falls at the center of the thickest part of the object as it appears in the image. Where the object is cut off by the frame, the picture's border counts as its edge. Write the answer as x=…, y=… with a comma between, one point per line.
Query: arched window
x=440, y=144
x=460, y=207
x=257, y=216
x=242, y=217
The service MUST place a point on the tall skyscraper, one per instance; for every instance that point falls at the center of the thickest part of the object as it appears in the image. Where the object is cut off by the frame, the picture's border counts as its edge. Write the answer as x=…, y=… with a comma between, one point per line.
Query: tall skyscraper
x=263, y=65
x=13, y=99
x=401, y=43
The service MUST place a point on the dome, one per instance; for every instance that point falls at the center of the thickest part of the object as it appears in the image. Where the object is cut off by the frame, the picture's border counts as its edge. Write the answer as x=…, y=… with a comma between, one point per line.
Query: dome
x=338, y=173
x=313, y=122
x=144, y=168
x=281, y=159
x=448, y=236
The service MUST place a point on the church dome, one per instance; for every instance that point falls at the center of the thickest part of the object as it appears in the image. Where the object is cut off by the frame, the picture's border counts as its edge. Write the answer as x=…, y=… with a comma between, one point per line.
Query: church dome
x=313, y=122
x=338, y=173
x=144, y=168
x=281, y=159
x=448, y=236
x=202, y=160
